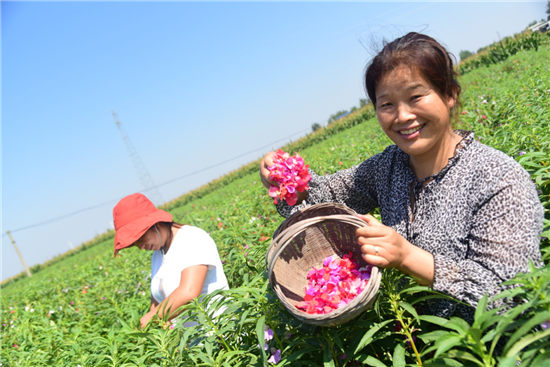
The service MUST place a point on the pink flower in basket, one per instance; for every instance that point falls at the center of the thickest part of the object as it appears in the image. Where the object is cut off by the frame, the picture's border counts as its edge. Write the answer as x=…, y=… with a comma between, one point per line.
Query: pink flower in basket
x=292, y=177
x=335, y=285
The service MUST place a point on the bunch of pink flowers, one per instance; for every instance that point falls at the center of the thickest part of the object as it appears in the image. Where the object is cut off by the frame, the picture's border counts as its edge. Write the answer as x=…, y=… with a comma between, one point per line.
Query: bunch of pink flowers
x=292, y=177
x=336, y=284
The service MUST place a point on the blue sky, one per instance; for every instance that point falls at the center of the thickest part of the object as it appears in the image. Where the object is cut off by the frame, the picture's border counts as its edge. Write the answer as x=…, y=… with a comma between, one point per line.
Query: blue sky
x=193, y=83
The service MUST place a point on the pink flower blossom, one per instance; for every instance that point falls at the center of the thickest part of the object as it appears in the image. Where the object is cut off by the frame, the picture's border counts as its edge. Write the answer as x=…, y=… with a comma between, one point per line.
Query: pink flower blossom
x=292, y=177
x=335, y=285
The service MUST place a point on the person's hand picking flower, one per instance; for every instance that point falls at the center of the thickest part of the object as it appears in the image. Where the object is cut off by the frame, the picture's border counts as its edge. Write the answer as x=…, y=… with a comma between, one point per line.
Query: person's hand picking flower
x=291, y=176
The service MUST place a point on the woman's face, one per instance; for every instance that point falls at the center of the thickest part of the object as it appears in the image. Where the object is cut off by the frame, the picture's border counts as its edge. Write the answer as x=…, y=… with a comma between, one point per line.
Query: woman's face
x=149, y=241
x=412, y=113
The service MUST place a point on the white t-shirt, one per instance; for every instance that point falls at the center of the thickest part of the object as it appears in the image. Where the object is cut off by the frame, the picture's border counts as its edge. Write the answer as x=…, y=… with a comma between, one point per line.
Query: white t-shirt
x=190, y=246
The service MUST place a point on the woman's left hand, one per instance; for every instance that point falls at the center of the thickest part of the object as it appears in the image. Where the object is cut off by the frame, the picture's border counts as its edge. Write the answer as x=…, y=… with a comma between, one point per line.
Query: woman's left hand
x=146, y=318
x=381, y=245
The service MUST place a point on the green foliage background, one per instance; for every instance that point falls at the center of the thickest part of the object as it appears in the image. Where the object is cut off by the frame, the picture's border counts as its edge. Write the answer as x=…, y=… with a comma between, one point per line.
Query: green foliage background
x=84, y=309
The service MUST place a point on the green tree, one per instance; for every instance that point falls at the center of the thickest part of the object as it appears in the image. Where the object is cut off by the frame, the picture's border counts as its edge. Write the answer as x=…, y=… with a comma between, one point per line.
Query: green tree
x=548, y=9
x=464, y=54
x=315, y=126
x=363, y=102
x=336, y=116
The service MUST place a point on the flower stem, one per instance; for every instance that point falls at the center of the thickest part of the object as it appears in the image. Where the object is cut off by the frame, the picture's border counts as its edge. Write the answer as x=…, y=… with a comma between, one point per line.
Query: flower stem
x=406, y=327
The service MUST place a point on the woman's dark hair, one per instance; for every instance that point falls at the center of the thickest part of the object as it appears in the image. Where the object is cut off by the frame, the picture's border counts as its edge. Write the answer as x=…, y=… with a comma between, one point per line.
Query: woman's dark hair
x=168, y=226
x=421, y=54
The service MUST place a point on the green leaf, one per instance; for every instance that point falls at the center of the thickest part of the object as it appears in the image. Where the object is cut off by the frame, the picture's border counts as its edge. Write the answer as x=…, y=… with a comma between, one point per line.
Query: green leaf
x=488, y=319
x=206, y=359
x=327, y=358
x=458, y=325
x=480, y=310
x=490, y=335
x=337, y=340
x=541, y=359
x=447, y=342
x=433, y=335
x=416, y=289
x=296, y=355
x=410, y=309
x=523, y=342
x=443, y=362
x=260, y=333
x=509, y=362
x=526, y=327
x=399, y=356
x=460, y=354
x=508, y=293
x=475, y=335
x=208, y=346
x=434, y=319
x=368, y=337
x=369, y=360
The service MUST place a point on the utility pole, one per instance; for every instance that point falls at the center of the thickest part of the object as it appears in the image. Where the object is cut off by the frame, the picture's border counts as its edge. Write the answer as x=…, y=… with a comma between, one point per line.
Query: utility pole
x=147, y=182
x=19, y=253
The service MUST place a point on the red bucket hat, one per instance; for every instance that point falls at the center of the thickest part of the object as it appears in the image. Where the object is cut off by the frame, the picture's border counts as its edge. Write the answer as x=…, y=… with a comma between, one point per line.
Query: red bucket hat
x=133, y=216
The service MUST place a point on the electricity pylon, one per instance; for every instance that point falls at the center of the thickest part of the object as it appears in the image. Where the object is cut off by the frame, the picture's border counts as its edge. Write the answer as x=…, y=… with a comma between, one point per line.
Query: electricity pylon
x=150, y=189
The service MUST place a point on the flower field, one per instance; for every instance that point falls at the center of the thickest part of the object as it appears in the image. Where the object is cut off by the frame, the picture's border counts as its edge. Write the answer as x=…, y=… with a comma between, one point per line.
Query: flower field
x=84, y=310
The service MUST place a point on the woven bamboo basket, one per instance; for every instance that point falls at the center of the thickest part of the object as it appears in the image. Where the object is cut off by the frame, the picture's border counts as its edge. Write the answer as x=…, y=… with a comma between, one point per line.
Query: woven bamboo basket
x=303, y=241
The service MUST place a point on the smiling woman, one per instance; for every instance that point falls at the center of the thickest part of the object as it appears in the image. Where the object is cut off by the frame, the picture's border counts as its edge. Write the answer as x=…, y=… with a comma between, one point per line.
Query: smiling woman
x=185, y=262
x=457, y=215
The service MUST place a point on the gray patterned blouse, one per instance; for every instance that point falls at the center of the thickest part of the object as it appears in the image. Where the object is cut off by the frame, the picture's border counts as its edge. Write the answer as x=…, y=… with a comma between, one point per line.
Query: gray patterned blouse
x=480, y=216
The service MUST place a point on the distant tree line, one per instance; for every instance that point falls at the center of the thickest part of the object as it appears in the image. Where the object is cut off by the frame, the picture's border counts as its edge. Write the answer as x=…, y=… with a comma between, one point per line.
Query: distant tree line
x=338, y=115
x=464, y=54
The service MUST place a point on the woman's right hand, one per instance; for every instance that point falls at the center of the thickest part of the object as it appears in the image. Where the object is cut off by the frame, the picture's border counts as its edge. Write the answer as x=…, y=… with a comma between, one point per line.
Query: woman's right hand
x=267, y=162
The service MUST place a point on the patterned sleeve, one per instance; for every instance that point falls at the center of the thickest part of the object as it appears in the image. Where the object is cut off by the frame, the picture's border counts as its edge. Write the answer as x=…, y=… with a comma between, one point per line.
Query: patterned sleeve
x=354, y=187
x=503, y=237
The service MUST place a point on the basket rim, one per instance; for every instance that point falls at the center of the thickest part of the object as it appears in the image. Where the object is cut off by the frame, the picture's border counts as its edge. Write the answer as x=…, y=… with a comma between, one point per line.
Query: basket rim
x=313, y=208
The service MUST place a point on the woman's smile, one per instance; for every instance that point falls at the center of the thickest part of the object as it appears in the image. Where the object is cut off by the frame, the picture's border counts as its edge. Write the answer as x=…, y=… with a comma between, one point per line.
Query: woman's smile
x=411, y=133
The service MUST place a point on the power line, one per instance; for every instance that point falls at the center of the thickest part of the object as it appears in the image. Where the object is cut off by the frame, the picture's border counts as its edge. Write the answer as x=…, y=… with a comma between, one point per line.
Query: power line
x=63, y=216
x=162, y=184
x=229, y=160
